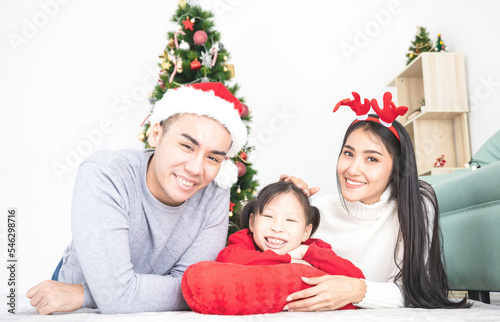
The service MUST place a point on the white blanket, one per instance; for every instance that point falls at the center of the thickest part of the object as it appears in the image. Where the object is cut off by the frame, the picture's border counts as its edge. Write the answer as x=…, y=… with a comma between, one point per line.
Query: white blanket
x=478, y=312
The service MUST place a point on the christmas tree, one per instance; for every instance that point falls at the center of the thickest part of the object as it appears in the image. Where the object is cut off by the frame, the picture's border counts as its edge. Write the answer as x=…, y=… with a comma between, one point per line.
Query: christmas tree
x=440, y=46
x=195, y=54
x=421, y=44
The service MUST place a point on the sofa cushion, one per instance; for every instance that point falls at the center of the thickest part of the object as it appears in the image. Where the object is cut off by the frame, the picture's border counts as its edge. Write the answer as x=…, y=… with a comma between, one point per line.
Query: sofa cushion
x=468, y=189
x=489, y=151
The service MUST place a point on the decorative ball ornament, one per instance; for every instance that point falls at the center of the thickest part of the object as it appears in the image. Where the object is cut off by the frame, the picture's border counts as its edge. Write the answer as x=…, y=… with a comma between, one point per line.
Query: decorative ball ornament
x=195, y=65
x=245, y=111
x=242, y=168
x=184, y=45
x=221, y=46
x=161, y=84
x=243, y=156
x=200, y=37
x=141, y=137
x=205, y=80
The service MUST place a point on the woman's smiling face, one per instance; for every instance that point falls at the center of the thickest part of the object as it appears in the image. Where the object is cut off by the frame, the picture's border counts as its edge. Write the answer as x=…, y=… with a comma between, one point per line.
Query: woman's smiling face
x=364, y=167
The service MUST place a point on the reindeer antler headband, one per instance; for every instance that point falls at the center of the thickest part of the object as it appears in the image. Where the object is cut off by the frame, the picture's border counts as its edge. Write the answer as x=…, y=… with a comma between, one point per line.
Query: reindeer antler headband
x=386, y=115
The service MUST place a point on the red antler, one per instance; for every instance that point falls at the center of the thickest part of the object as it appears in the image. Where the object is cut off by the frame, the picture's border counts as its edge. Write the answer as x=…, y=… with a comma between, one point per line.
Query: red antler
x=390, y=111
x=360, y=109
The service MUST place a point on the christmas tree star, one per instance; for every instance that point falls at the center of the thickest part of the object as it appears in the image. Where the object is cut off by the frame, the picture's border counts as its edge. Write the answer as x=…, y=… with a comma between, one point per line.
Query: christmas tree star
x=187, y=24
x=206, y=59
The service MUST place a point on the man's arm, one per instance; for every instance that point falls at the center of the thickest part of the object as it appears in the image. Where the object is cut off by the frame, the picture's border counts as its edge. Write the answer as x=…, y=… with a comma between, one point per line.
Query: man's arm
x=102, y=244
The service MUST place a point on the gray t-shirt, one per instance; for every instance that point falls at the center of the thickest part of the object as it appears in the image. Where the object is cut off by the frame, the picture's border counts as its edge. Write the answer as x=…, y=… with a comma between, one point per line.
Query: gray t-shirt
x=129, y=250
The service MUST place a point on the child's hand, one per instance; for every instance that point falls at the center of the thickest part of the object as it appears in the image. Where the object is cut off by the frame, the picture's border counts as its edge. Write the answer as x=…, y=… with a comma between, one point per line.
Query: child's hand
x=300, y=261
x=299, y=252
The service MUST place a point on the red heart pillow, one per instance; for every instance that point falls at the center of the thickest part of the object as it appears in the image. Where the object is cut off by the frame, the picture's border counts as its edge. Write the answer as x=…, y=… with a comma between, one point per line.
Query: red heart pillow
x=234, y=289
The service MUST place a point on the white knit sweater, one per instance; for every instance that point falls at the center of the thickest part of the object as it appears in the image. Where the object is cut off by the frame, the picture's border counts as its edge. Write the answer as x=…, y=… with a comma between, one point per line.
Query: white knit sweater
x=367, y=236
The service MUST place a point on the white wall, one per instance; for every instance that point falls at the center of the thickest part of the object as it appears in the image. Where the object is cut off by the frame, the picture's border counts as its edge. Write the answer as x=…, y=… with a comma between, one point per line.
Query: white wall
x=73, y=79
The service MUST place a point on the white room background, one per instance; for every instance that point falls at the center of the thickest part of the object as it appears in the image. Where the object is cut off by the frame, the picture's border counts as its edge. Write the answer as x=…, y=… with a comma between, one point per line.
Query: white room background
x=74, y=76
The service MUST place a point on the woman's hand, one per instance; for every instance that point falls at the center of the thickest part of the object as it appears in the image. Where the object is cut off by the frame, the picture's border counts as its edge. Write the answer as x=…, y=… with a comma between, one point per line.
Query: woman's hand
x=51, y=296
x=299, y=252
x=299, y=183
x=329, y=292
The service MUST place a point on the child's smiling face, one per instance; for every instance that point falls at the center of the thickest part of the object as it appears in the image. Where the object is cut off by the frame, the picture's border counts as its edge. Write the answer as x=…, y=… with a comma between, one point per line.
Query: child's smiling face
x=282, y=225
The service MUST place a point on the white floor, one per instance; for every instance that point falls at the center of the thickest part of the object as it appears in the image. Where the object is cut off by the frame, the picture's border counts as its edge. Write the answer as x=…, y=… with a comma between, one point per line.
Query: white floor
x=478, y=312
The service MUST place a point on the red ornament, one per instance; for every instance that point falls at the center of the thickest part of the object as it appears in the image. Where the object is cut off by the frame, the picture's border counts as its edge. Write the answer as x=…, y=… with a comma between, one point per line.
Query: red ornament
x=187, y=24
x=200, y=37
x=161, y=84
x=440, y=162
x=243, y=156
x=245, y=110
x=195, y=65
x=242, y=168
x=231, y=205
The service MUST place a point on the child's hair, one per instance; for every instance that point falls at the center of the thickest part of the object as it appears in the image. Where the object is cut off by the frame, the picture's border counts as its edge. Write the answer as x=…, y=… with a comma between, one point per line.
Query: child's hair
x=272, y=191
x=425, y=283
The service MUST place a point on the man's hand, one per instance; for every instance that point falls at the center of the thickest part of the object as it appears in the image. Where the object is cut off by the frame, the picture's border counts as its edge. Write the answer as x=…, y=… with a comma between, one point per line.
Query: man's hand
x=299, y=183
x=51, y=296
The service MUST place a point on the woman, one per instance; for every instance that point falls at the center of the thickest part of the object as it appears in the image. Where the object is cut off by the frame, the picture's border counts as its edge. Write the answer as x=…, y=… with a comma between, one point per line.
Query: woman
x=385, y=221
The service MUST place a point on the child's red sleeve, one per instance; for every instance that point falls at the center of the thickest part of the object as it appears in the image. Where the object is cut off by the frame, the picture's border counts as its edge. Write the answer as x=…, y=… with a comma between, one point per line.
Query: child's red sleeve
x=320, y=255
x=241, y=250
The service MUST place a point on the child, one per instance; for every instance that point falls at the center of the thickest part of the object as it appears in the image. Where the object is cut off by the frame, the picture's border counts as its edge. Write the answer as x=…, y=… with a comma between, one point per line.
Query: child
x=277, y=226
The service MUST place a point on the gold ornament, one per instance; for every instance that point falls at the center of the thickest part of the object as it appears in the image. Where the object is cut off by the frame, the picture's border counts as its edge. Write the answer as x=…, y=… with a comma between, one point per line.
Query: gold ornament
x=165, y=65
x=179, y=65
x=171, y=43
x=148, y=131
x=182, y=4
x=141, y=137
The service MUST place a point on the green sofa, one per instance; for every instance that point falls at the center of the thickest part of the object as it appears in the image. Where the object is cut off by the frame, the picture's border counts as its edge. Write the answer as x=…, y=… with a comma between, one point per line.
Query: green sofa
x=469, y=205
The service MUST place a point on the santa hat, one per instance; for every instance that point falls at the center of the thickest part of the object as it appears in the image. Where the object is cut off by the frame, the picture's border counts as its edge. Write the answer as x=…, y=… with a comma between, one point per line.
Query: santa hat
x=213, y=100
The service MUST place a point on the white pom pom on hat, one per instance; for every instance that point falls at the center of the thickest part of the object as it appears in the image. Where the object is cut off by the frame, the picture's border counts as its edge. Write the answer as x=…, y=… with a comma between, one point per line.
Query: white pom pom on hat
x=213, y=100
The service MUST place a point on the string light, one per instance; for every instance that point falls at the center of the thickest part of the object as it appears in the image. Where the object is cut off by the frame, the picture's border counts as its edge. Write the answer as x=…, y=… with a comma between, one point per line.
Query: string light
x=473, y=164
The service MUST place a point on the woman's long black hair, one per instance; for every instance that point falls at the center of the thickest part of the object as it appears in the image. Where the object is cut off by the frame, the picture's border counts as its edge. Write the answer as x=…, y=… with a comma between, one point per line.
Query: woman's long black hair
x=423, y=275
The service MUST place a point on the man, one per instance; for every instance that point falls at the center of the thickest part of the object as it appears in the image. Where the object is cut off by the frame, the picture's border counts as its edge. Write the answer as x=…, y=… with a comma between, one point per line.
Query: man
x=140, y=218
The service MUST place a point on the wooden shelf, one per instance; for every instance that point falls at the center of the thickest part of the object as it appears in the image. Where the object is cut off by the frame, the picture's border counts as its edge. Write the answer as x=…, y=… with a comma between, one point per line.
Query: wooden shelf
x=438, y=79
x=433, y=87
x=442, y=170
